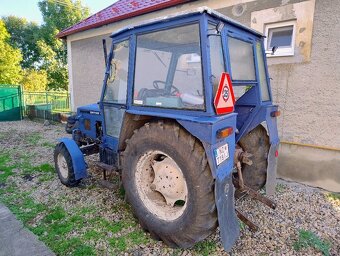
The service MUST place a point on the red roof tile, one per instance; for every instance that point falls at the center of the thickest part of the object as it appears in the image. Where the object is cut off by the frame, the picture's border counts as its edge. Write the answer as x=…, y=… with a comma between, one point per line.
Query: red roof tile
x=120, y=10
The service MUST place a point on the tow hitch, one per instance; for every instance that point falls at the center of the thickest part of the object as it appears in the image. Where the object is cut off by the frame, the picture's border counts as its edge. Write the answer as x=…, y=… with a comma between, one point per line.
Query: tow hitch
x=242, y=189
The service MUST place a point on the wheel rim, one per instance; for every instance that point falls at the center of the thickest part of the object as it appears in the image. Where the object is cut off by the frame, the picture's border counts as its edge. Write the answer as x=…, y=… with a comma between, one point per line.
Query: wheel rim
x=62, y=165
x=161, y=185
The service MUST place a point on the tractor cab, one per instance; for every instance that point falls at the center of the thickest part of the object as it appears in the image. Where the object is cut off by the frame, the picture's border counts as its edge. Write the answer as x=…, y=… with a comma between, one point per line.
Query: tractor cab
x=186, y=118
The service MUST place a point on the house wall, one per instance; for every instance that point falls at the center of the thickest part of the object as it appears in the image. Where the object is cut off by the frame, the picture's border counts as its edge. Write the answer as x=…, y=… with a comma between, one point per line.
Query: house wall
x=305, y=86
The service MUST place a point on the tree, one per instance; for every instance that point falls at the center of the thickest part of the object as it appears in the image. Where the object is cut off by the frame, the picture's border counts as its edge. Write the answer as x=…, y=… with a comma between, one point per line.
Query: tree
x=10, y=58
x=34, y=80
x=56, y=70
x=24, y=35
x=58, y=15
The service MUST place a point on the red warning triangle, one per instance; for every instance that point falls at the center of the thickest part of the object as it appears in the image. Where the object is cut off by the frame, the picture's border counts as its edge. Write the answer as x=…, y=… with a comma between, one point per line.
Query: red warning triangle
x=224, y=100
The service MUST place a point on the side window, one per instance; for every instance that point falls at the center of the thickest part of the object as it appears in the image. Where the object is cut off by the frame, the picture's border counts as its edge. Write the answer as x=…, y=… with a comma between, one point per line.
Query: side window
x=168, y=70
x=116, y=87
x=262, y=73
x=216, y=58
x=241, y=60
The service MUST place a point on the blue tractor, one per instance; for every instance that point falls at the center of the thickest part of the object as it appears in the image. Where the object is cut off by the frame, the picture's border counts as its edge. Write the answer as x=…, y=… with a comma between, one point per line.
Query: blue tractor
x=186, y=118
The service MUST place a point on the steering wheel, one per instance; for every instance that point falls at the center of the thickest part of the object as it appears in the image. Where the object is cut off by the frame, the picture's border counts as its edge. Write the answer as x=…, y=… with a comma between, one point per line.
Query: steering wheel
x=174, y=90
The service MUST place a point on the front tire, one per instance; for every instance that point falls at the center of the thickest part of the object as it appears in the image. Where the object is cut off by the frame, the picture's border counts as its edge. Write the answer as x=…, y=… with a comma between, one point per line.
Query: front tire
x=169, y=185
x=64, y=167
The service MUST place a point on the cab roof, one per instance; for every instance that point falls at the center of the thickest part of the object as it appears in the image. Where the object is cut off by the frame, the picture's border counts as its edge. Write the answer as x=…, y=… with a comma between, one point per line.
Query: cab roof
x=183, y=14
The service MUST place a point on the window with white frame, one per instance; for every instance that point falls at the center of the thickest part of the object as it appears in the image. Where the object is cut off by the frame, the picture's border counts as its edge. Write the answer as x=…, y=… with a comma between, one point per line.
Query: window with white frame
x=282, y=36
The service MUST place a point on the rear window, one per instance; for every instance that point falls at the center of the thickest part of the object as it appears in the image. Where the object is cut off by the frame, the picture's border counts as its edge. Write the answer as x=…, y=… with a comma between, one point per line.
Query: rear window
x=241, y=59
x=168, y=72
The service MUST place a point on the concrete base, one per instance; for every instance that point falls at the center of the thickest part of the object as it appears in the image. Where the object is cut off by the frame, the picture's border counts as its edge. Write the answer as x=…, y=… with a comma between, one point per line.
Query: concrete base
x=311, y=166
x=15, y=240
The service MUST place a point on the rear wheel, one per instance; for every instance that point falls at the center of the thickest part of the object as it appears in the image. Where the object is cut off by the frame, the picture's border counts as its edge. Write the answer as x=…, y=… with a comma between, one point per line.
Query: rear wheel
x=256, y=143
x=64, y=167
x=169, y=184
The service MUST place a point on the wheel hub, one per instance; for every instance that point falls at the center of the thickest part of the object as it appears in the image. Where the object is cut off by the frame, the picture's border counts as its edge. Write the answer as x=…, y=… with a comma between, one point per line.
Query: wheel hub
x=169, y=181
x=62, y=164
x=161, y=185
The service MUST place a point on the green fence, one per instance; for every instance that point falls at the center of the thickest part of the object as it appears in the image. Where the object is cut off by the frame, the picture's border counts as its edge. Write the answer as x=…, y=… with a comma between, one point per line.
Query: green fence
x=10, y=102
x=14, y=104
x=56, y=102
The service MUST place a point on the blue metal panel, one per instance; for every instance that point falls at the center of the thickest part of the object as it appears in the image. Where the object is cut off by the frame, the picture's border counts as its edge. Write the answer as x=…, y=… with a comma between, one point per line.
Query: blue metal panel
x=257, y=116
x=207, y=135
x=78, y=161
x=206, y=69
x=91, y=113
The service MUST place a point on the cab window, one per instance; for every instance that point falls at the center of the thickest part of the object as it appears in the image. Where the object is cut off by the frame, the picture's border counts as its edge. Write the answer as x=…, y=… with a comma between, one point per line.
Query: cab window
x=216, y=58
x=168, y=71
x=241, y=59
x=116, y=85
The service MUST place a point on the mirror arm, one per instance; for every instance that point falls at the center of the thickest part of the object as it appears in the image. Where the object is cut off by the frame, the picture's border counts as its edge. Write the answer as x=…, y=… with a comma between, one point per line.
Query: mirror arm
x=105, y=52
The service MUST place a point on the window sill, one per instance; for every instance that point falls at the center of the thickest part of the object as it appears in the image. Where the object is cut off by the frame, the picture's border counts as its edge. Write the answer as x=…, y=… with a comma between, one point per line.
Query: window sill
x=280, y=55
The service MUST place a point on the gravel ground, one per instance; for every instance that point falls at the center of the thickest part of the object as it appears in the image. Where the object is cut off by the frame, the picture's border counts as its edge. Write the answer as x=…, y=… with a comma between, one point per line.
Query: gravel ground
x=299, y=207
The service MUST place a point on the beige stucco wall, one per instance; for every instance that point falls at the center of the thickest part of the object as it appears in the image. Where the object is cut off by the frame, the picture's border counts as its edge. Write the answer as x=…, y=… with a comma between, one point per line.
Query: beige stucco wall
x=88, y=68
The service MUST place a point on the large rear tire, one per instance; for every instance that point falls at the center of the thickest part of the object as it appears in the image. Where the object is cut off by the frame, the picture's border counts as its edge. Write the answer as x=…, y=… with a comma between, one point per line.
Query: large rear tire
x=169, y=185
x=256, y=142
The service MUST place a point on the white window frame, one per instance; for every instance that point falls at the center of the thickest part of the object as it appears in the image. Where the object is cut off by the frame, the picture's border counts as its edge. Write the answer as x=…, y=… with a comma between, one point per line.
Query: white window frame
x=286, y=51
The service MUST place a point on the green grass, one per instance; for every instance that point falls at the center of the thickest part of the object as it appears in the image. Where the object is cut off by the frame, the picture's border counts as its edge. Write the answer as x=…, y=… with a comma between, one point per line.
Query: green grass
x=44, y=168
x=118, y=243
x=48, y=144
x=309, y=239
x=22, y=205
x=205, y=248
x=333, y=196
x=280, y=188
x=33, y=138
x=6, y=170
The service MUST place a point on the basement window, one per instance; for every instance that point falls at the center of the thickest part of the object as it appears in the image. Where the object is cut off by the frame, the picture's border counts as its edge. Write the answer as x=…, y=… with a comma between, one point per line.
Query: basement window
x=281, y=35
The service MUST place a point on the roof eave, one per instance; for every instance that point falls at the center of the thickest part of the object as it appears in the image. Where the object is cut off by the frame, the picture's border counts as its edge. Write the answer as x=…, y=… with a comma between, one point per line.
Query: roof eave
x=63, y=34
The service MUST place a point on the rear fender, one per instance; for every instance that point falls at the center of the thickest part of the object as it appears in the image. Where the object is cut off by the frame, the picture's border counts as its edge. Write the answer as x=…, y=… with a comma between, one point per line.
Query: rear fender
x=224, y=189
x=273, y=150
x=78, y=161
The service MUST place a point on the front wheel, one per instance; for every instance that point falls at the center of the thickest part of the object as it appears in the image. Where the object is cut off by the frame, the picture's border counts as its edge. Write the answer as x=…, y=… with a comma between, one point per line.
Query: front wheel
x=64, y=167
x=169, y=184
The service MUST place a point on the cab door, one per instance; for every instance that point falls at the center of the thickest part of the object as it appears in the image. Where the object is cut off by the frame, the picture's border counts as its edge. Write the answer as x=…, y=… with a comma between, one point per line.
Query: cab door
x=114, y=95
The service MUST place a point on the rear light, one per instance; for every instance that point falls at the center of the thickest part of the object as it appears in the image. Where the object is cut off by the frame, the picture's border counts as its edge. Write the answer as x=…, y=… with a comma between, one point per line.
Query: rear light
x=275, y=113
x=224, y=133
x=276, y=153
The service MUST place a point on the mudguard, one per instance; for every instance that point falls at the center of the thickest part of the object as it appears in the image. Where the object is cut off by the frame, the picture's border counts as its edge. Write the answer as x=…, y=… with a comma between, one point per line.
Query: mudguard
x=227, y=219
x=273, y=151
x=78, y=161
x=271, y=169
x=224, y=188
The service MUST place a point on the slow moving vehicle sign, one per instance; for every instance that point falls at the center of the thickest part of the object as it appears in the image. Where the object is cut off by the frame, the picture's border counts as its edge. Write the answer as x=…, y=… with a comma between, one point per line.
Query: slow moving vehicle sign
x=224, y=100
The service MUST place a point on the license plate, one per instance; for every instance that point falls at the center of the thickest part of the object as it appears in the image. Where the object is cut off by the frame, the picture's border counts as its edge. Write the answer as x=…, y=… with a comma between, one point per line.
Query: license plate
x=221, y=154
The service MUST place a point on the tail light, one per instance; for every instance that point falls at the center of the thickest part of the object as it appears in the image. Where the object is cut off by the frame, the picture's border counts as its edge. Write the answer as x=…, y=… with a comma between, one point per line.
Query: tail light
x=223, y=133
